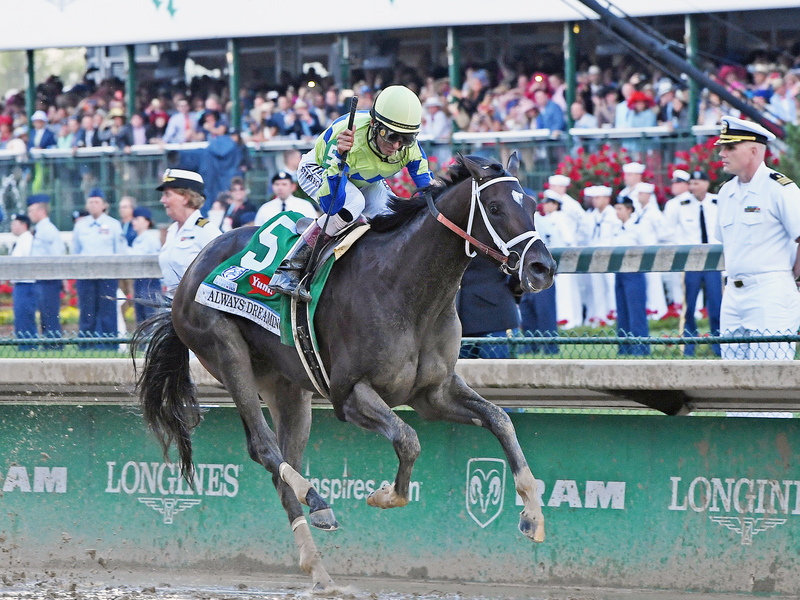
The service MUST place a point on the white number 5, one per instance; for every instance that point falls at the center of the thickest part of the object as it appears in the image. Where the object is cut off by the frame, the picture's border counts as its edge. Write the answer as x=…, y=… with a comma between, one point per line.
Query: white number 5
x=270, y=241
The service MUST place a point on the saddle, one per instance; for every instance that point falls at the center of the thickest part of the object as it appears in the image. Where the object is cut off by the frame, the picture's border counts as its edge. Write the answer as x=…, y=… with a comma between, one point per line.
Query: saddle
x=301, y=312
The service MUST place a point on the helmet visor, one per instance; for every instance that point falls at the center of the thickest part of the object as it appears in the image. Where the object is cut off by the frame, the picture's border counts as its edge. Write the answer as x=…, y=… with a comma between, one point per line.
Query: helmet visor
x=392, y=137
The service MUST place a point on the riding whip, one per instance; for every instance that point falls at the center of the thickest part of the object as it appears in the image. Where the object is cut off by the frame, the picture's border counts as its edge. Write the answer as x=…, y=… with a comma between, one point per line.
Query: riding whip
x=342, y=181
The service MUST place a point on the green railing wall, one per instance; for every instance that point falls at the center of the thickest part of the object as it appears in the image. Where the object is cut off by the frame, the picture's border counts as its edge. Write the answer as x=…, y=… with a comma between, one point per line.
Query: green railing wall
x=703, y=504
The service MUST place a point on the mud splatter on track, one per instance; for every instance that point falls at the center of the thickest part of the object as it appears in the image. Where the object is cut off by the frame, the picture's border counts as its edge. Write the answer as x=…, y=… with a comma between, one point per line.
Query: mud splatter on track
x=161, y=585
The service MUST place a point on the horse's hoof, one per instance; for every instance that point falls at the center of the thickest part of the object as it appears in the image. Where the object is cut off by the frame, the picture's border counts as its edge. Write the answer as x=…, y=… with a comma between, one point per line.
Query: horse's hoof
x=323, y=587
x=532, y=529
x=324, y=519
x=386, y=497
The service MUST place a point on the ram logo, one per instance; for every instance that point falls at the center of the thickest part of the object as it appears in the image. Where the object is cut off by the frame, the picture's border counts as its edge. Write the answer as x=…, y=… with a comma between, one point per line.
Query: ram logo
x=486, y=484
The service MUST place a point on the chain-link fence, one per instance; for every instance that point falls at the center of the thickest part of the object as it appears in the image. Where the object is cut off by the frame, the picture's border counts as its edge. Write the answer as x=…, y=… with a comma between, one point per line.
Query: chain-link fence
x=594, y=344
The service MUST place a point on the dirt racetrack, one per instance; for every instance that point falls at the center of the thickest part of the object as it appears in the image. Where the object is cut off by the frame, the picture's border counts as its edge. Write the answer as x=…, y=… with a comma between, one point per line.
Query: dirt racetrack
x=122, y=584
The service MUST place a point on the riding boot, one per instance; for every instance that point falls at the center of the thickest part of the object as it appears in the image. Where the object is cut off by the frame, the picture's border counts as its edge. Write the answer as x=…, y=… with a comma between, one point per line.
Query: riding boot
x=292, y=268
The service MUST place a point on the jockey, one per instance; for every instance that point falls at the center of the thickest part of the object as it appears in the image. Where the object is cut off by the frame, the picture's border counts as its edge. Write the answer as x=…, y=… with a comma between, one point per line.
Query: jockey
x=382, y=142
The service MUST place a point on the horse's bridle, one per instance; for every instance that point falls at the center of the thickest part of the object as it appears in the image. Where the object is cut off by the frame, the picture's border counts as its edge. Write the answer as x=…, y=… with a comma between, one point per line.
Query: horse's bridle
x=503, y=256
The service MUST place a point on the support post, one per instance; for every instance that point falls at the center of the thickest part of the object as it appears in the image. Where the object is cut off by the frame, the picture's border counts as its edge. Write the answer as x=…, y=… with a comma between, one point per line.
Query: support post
x=453, y=59
x=570, y=60
x=344, y=60
x=691, y=56
x=130, y=81
x=30, y=90
x=233, y=83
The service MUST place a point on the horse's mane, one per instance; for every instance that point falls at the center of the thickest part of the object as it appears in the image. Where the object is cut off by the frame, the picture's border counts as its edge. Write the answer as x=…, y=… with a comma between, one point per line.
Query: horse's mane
x=402, y=210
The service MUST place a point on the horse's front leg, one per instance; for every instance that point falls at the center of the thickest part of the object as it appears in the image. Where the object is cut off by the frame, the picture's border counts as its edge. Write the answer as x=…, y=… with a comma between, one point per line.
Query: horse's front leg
x=366, y=408
x=456, y=401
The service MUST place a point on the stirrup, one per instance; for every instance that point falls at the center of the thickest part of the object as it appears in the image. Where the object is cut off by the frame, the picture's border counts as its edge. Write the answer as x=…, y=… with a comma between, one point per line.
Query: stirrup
x=286, y=279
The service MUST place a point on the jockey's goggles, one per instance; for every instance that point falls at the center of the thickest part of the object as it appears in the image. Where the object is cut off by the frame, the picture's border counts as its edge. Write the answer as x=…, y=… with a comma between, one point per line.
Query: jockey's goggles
x=392, y=137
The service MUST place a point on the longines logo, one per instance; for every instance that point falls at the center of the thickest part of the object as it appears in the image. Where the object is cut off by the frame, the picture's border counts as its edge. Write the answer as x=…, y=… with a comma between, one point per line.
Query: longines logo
x=757, y=504
x=160, y=486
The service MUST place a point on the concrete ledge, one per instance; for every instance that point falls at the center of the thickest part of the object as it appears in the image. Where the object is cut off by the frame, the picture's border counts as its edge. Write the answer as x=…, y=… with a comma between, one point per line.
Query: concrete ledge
x=671, y=386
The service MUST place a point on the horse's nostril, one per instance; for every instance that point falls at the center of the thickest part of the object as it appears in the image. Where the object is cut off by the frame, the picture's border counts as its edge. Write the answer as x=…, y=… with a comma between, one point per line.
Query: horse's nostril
x=540, y=268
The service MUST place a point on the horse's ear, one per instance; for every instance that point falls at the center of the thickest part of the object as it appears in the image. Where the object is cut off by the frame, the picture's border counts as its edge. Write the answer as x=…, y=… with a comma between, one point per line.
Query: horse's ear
x=477, y=171
x=513, y=164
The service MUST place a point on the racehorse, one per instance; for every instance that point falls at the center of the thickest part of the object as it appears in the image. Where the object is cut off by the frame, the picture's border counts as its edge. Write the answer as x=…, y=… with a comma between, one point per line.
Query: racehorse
x=388, y=335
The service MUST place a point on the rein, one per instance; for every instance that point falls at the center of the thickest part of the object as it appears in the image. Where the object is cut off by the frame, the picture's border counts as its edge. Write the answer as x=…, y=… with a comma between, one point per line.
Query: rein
x=504, y=253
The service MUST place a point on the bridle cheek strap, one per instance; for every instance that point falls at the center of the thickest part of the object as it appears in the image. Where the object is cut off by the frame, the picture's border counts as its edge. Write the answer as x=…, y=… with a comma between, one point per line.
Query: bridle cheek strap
x=505, y=247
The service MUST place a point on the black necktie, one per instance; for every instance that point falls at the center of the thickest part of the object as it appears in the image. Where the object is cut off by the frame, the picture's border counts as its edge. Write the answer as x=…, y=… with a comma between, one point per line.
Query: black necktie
x=703, y=233
x=283, y=205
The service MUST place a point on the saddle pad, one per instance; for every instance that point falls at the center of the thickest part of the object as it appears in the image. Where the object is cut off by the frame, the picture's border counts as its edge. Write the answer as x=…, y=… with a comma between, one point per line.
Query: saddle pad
x=239, y=285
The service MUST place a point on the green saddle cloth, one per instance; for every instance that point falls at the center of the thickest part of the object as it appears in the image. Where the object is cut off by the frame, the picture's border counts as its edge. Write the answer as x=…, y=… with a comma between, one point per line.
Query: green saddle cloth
x=239, y=285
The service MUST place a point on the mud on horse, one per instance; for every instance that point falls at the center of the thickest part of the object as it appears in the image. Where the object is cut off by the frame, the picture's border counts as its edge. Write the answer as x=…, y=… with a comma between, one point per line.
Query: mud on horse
x=390, y=302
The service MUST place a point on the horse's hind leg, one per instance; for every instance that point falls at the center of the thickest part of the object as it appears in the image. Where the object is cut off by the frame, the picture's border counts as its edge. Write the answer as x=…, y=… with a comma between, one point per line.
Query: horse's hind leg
x=228, y=347
x=366, y=408
x=459, y=403
x=290, y=408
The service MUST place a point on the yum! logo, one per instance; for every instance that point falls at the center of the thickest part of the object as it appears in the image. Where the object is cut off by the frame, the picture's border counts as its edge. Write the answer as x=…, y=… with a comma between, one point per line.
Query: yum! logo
x=260, y=283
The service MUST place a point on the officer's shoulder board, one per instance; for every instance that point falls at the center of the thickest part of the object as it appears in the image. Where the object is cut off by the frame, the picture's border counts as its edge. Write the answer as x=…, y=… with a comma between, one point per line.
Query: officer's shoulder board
x=780, y=178
x=202, y=222
x=687, y=201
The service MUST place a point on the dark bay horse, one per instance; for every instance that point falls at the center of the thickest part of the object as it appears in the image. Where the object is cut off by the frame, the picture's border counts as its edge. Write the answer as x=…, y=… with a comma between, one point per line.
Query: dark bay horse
x=388, y=335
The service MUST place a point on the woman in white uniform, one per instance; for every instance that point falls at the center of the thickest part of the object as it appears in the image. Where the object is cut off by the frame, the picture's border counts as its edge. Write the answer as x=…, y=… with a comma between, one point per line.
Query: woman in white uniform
x=182, y=196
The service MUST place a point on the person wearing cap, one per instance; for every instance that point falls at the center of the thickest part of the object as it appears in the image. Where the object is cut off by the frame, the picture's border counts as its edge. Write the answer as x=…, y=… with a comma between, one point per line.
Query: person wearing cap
x=650, y=219
x=562, y=306
x=41, y=137
x=383, y=141
x=569, y=218
x=630, y=289
x=146, y=292
x=46, y=242
x=632, y=174
x=696, y=221
x=183, y=193
x=24, y=294
x=681, y=195
x=283, y=186
x=599, y=226
x=758, y=223
x=97, y=234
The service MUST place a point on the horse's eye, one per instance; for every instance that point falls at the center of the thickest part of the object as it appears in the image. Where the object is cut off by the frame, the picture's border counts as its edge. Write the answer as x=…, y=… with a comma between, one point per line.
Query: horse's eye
x=494, y=209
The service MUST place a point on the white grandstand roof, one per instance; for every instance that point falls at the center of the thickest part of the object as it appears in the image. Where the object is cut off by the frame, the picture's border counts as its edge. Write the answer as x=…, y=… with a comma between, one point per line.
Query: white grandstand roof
x=69, y=23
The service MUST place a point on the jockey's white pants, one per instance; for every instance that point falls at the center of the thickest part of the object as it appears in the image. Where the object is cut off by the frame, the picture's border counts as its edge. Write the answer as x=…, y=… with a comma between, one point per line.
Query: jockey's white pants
x=765, y=304
x=369, y=200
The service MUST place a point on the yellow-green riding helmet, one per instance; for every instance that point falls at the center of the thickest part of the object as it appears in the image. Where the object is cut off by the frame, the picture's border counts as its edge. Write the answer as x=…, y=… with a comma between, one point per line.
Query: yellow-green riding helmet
x=396, y=116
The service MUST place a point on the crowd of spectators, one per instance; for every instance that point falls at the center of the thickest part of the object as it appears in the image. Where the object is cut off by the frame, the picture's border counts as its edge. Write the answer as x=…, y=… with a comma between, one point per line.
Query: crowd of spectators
x=492, y=98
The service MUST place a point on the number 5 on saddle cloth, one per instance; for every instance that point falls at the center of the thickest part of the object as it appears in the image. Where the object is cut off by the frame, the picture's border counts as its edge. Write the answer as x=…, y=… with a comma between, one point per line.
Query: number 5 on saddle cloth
x=240, y=285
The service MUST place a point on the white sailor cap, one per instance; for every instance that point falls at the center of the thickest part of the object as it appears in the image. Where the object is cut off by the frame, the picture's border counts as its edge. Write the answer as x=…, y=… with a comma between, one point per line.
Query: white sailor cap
x=559, y=180
x=738, y=130
x=182, y=179
x=595, y=191
x=644, y=188
x=680, y=175
x=633, y=167
x=551, y=196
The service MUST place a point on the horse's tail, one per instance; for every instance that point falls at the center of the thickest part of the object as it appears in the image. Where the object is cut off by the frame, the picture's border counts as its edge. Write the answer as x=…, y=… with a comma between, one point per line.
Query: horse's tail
x=167, y=396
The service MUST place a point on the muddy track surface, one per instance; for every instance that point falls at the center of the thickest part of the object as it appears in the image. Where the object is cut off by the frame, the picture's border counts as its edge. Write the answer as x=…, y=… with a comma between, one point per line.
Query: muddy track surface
x=159, y=585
